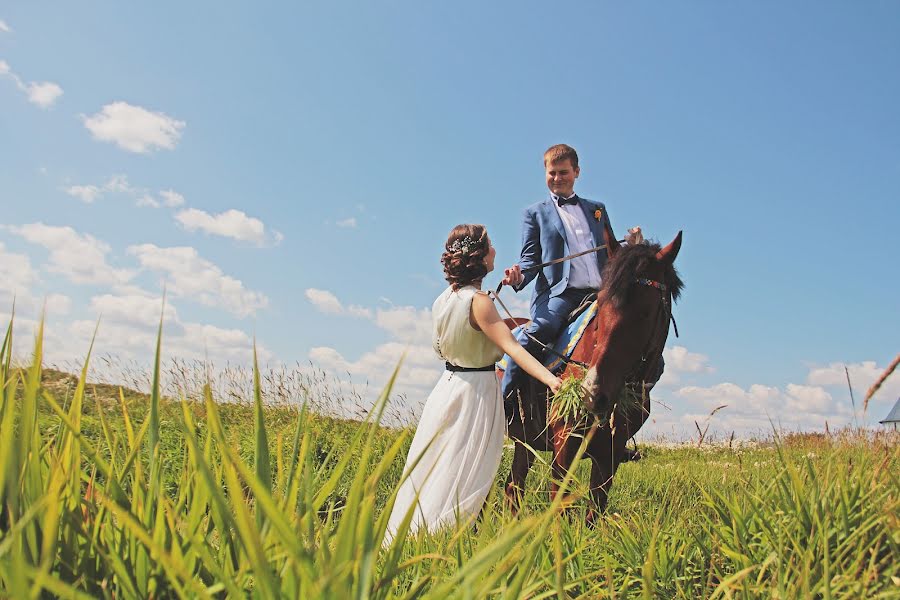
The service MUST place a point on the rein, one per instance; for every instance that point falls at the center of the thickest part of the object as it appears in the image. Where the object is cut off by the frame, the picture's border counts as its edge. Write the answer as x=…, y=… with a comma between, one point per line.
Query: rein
x=546, y=347
x=559, y=260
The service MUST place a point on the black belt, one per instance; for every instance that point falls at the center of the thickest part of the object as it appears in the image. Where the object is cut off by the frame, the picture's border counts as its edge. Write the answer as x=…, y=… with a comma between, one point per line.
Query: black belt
x=450, y=367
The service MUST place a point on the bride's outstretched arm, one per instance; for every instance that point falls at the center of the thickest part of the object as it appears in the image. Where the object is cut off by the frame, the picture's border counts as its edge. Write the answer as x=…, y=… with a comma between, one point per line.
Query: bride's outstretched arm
x=485, y=317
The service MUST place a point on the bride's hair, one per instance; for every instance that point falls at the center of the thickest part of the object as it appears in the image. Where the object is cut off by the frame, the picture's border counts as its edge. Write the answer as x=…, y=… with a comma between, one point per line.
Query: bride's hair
x=464, y=253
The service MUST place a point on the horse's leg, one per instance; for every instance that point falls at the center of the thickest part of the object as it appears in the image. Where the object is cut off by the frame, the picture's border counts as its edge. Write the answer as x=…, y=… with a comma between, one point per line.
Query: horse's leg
x=606, y=452
x=601, y=481
x=515, y=484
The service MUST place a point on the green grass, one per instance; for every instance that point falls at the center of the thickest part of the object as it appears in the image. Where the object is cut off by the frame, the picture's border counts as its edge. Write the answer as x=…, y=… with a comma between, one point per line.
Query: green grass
x=110, y=493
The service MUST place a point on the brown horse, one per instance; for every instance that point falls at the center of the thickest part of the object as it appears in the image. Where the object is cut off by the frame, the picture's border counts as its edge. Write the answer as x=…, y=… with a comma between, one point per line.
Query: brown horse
x=622, y=348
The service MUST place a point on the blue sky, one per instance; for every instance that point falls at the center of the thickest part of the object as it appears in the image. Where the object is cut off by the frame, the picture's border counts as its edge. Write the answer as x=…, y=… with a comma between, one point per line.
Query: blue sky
x=347, y=139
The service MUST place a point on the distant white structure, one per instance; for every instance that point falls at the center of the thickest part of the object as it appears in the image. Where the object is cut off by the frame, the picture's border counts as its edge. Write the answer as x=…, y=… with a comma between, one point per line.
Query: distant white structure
x=893, y=417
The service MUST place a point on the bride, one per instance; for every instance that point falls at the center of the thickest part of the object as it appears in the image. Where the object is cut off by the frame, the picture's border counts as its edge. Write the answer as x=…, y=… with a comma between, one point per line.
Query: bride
x=456, y=450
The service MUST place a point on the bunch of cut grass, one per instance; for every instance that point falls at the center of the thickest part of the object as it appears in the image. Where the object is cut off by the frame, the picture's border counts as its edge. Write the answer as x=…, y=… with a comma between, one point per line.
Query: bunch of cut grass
x=631, y=399
x=567, y=404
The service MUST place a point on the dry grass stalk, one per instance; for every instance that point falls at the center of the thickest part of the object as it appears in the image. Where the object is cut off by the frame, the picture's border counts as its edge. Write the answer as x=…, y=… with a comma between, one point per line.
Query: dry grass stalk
x=881, y=380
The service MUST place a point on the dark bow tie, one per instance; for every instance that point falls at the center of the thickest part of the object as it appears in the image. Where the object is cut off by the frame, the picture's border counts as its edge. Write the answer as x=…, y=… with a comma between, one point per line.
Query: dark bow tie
x=564, y=201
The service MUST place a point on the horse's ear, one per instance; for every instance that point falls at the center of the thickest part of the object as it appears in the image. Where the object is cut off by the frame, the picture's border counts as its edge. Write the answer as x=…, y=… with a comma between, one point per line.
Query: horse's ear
x=669, y=253
x=609, y=238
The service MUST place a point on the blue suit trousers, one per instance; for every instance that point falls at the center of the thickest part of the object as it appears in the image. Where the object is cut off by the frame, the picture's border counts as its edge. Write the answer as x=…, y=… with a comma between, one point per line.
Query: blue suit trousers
x=548, y=317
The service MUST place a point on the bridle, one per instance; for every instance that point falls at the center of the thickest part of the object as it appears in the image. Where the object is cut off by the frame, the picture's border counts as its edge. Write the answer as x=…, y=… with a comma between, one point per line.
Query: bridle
x=637, y=376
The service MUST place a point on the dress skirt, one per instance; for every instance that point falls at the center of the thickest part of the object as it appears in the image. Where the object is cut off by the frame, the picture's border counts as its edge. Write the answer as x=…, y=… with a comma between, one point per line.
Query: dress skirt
x=460, y=441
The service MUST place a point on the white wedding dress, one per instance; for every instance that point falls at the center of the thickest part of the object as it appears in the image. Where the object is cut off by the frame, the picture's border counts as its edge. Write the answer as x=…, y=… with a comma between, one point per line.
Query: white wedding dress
x=462, y=420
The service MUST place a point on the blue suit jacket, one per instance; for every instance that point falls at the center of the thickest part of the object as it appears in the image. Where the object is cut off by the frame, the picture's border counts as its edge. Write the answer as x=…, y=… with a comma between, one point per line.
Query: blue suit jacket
x=544, y=239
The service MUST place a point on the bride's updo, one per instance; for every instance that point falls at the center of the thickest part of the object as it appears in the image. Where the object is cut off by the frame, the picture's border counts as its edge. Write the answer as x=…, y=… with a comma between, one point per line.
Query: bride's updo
x=464, y=254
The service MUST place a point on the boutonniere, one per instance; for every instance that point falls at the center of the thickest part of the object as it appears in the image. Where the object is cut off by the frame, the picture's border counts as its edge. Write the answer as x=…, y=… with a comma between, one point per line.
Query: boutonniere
x=598, y=214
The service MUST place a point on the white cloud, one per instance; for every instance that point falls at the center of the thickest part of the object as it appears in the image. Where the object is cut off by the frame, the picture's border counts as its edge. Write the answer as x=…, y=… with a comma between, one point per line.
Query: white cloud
x=119, y=184
x=41, y=93
x=232, y=342
x=16, y=274
x=327, y=302
x=823, y=398
x=410, y=331
x=134, y=128
x=81, y=258
x=519, y=305
x=406, y=323
x=89, y=193
x=132, y=308
x=59, y=346
x=359, y=311
x=171, y=198
x=232, y=223
x=419, y=371
x=190, y=276
x=862, y=376
x=680, y=359
x=123, y=340
x=324, y=301
x=147, y=200
x=58, y=304
x=44, y=94
x=347, y=223
x=128, y=327
x=760, y=407
x=85, y=193
x=17, y=280
x=4, y=27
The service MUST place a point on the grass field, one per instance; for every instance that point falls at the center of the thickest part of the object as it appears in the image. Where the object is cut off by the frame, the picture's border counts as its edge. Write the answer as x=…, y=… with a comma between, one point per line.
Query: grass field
x=114, y=494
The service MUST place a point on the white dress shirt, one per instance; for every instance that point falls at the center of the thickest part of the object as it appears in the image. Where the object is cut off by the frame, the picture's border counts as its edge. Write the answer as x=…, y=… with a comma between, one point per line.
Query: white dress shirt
x=583, y=270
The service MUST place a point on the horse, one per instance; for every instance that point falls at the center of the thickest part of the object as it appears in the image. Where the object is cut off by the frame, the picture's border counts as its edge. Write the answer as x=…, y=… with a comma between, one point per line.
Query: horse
x=621, y=349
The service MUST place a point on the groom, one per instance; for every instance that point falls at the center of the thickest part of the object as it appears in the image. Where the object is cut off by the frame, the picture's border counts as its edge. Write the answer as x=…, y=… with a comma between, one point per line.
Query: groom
x=560, y=225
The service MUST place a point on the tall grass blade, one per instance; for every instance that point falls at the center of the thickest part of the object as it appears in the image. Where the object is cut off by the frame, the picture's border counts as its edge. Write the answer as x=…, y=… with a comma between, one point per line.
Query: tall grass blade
x=261, y=453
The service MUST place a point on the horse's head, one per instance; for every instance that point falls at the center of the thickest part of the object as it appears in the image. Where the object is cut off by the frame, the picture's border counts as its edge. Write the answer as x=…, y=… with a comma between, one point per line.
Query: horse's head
x=632, y=323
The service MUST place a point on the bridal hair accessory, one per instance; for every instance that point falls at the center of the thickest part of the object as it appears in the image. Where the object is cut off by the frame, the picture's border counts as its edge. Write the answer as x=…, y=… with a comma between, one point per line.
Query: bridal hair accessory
x=463, y=245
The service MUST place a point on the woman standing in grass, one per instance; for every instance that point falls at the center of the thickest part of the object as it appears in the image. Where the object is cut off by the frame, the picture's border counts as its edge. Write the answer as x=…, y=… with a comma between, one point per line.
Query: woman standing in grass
x=456, y=450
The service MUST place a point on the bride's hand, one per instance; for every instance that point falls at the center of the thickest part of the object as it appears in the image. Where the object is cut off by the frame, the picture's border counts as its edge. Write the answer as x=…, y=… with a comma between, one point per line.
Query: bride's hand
x=555, y=384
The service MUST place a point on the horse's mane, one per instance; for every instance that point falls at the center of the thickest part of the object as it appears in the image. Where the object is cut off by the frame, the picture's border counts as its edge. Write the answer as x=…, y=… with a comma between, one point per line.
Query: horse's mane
x=630, y=262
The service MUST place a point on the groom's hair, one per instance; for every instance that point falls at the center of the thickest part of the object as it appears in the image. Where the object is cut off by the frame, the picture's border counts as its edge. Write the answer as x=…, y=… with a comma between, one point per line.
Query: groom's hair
x=559, y=153
x=464, y=253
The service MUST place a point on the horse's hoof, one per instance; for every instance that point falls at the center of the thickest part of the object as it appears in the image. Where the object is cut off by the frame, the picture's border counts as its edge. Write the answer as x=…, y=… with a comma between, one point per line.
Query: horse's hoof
x=631, y=455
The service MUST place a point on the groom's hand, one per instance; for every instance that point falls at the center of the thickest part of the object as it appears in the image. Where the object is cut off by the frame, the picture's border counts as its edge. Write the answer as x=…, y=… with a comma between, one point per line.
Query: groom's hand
x=513, y=276
x=635, y=236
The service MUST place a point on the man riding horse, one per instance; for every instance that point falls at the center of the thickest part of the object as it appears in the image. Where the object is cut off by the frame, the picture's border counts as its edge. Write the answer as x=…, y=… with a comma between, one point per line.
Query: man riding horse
x=634, y=285
x=560, y=225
